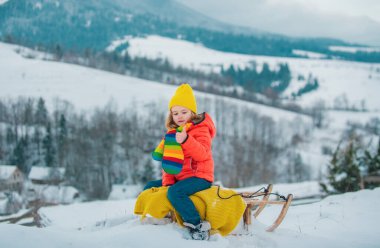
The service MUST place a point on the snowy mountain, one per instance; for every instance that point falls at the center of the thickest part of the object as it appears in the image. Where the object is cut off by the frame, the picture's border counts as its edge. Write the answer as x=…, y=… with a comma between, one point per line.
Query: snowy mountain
x=92, y=25
x=89, y=24
x=349, y=220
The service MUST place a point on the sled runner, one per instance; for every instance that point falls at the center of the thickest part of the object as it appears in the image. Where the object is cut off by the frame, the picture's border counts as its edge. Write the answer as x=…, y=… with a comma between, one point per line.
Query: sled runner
x=258, y=200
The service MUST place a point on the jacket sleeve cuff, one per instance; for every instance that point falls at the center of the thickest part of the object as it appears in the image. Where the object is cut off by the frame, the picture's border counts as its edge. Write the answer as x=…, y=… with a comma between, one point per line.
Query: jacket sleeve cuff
x=188, y=142
x=185, y=139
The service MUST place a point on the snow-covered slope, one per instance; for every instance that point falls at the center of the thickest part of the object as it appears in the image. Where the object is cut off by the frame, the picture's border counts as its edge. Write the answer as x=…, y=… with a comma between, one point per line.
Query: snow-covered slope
x=357, y=82
x=85, y=88
x=88, y=88
x=349, y=220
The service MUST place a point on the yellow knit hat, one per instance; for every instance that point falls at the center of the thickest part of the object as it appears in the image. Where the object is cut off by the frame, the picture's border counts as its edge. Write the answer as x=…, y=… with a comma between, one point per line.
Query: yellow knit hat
x=184, y=97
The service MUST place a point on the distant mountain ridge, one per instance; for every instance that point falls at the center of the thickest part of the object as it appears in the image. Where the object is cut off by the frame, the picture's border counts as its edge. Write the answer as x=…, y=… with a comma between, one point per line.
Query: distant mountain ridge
x=94, y=24
x=79, y=25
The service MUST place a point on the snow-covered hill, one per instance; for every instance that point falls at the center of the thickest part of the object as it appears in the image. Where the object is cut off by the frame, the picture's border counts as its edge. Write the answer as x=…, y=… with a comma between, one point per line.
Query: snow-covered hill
x=349, y=220
x=88, y=88
x=340, y=81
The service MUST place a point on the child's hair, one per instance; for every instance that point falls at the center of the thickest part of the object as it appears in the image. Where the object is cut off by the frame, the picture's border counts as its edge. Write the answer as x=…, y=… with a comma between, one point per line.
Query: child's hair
x=170, y=124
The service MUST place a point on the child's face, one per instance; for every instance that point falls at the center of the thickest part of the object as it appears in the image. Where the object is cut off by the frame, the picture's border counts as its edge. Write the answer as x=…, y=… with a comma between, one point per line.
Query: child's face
x=181, y=115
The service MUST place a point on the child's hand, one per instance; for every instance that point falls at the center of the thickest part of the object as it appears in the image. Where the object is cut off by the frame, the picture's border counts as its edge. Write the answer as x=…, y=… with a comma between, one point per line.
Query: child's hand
x=181, y=136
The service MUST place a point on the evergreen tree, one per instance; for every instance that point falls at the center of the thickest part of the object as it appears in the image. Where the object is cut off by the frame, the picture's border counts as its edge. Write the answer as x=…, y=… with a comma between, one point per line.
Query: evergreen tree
x=58, y=52
x=374, y=161
x=27, y=118
x=311, y=84
x=10, y=136
x=266, y=78
x=371, y=166
x=344, y=173
x=20, y=155
x=37, y=140
x=41, y=116
x=284, y=77
x=62, y=140
x=48, y=147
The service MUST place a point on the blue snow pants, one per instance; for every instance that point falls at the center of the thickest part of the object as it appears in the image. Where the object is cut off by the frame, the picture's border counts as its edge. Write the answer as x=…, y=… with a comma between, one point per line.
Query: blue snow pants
x=179, y=196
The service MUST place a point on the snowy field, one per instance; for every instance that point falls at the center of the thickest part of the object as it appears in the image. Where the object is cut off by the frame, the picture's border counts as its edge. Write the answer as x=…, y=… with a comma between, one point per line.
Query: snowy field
x=357, y=82
x=347, y=220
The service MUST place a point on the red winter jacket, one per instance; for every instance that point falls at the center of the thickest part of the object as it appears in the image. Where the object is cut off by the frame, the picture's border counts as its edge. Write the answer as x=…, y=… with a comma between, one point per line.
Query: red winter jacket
x=197, y=152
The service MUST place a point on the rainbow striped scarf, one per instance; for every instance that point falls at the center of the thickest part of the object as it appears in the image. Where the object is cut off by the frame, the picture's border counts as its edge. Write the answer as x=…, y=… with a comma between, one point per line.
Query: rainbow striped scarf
x=169, y=151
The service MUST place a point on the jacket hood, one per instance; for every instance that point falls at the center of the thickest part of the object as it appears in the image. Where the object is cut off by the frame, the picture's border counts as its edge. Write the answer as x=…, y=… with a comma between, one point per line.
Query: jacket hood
x=206, y=121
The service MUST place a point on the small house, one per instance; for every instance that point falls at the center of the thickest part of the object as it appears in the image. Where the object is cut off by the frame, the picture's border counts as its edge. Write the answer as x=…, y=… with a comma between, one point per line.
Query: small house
x=11, y=178
x=47, y=175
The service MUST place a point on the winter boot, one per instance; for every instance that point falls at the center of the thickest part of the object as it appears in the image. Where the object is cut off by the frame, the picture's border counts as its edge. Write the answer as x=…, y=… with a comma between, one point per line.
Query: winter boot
x=200, y=231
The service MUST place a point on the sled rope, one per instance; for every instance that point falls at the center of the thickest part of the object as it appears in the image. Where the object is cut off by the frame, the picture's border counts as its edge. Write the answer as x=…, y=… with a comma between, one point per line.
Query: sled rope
x=252, y=203
x=253, y=195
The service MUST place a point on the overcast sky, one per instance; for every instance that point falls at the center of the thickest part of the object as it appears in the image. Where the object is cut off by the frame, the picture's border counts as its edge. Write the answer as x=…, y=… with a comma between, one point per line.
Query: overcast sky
x=350, y=20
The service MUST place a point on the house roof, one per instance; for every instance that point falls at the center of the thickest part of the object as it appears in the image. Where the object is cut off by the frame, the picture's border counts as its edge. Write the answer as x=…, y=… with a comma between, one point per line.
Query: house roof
x=46, y=173
x=6, y=171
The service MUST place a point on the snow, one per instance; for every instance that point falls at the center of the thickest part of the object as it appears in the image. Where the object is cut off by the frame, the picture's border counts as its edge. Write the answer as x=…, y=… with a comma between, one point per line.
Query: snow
x=185, y=53
x=10, y=203
x=6, y=171
x=41, y=173
x=51, y=80
x=121, y=191
x=37, y=78
x=347, y=220
x=38, y=5
x=340, y=176
x=351, y=217
x=54, y=194
x=19, y=213
x=309, y=54
x=358, y=82
x=87, y=216
x=338, y=119
x=117, y=43
x=88, y=23
x=299, y=190
x=354, y=49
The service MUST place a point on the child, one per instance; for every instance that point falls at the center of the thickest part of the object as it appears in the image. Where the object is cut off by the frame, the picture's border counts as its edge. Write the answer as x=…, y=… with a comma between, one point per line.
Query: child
x=187, y=162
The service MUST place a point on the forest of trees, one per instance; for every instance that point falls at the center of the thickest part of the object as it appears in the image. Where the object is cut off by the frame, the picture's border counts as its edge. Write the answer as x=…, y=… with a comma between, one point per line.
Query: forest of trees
x=105, y=146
